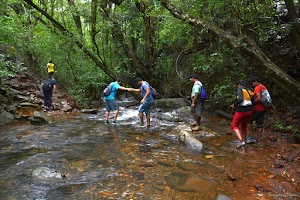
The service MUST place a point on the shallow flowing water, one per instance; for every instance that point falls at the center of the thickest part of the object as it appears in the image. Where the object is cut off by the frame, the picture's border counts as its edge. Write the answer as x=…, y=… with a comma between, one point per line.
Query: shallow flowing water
x=80, y=157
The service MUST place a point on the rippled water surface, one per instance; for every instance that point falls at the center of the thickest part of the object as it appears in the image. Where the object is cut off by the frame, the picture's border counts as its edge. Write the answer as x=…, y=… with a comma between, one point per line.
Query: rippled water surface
x=80, y=157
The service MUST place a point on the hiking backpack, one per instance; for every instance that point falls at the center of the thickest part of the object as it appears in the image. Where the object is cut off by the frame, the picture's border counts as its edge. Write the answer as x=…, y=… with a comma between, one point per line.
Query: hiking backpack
x=266, y=99
x=47, y=85
x=203, y=94
x=106, y=92
x=153, y=92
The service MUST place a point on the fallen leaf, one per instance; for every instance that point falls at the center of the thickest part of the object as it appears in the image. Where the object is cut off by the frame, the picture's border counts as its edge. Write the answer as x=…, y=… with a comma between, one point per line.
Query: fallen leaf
x=209, y=156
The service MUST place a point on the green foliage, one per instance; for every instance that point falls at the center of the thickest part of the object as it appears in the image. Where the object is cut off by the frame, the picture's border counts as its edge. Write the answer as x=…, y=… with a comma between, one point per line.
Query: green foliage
x=279, y=126
x=8, y=67
x=22, y=33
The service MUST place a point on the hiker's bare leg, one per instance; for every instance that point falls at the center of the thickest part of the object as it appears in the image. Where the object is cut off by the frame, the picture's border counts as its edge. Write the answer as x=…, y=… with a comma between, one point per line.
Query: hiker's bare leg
x=116, y=114
x=148, y=119
x=141, y=117
x=106, y=115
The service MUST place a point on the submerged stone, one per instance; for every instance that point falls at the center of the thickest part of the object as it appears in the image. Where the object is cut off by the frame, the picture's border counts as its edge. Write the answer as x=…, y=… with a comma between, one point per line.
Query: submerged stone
x=189, y=182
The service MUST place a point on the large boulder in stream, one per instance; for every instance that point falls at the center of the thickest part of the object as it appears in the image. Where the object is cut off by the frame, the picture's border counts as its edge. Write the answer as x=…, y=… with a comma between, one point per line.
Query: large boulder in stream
x=6, y=117
x=187, y=138
x=40, y=118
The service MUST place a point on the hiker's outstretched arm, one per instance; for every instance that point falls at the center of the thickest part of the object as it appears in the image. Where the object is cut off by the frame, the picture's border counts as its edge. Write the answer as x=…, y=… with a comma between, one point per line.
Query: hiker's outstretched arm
x=123, y=88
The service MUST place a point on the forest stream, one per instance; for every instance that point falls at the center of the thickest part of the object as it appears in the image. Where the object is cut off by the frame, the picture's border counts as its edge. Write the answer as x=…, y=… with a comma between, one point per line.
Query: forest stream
x=79, y=157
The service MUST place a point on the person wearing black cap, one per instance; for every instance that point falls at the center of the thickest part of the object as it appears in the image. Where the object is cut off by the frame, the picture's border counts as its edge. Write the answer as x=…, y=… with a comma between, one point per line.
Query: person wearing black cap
x=243, y=112
x=197, y=105
x=110, y=100
x=147, y=100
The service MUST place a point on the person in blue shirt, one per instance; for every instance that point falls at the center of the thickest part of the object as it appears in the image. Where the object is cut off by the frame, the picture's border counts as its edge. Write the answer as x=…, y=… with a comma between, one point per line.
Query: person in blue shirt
x=147, y=100
x=110, y=100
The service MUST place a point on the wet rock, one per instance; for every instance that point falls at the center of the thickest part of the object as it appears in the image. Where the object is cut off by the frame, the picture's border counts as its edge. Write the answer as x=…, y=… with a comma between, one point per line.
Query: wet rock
x=11, y=109
x=186, y=138
x=27, y=104
x=6, y=118
x=146, y=165
x=222, y=197
x=40, y=118
x=45, y=172
x=66, y=107
x=145, y=149
x=89, y=111
x=81, y=165
x=189, y=182
x=231, y=177
x=261, y=189
x=21, y=98
x=139, y=176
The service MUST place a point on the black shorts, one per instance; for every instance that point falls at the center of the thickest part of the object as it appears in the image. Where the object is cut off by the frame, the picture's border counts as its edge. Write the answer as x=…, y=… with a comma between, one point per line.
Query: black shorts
x=258, y=117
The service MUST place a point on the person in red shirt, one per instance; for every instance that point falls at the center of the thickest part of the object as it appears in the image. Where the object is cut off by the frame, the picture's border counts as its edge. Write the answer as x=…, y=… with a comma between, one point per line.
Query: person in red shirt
x=258, y=111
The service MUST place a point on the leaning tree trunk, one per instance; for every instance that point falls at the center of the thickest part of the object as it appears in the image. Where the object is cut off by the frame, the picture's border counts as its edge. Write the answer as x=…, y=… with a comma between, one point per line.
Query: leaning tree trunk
x=252, y=52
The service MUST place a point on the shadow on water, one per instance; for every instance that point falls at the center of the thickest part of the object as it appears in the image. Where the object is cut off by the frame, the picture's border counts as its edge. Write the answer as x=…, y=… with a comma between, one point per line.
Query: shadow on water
x=80, y=157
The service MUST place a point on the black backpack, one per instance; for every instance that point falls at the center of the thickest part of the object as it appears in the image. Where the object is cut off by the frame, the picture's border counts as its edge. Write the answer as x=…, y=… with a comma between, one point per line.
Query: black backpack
x=47, y=85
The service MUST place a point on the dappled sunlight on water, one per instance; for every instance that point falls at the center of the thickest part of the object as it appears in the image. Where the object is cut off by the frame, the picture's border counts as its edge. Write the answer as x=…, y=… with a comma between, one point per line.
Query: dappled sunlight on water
x=127, y=161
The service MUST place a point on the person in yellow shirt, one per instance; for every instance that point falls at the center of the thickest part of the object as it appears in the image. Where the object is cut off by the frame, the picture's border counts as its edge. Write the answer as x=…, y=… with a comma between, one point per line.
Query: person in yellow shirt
x=50, y=68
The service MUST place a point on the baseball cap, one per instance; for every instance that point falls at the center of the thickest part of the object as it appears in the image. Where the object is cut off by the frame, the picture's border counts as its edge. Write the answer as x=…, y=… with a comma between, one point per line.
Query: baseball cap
x=193, y=75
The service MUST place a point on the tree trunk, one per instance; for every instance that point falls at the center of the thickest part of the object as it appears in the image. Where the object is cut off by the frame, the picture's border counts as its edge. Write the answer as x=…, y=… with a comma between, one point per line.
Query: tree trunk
x=151, y=52
x=76, y=17
x=293, y=19
x=252, y=51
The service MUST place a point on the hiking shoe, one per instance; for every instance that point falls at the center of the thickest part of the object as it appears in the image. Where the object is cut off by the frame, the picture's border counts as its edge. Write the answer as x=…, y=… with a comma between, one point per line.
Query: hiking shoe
x=142, y=124
x=240, y=145
x=106, y=122
x=194, y=124
x=196, y=128
x=115, y=122
x=250, y=140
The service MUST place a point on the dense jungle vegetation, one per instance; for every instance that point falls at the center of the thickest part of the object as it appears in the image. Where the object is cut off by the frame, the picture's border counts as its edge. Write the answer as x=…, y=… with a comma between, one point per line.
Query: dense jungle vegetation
x=92, y=42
